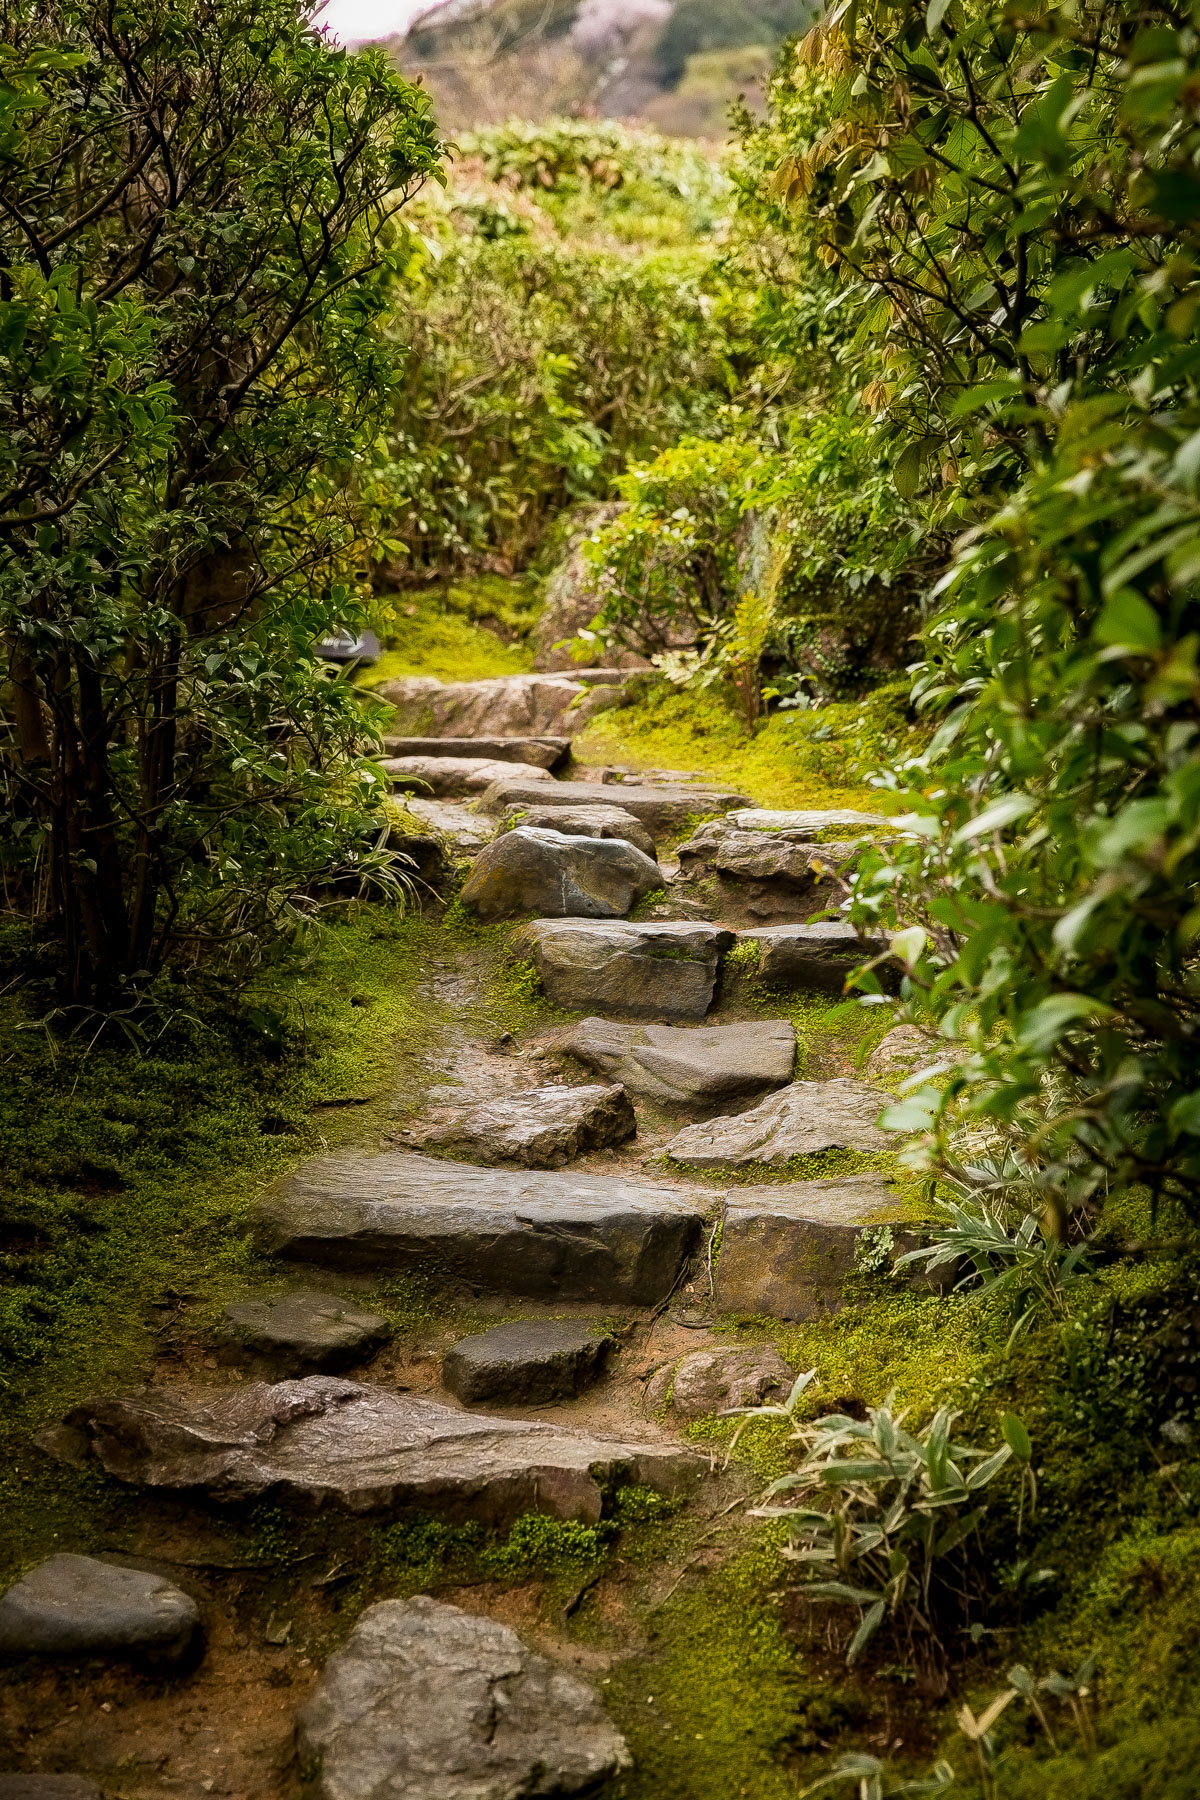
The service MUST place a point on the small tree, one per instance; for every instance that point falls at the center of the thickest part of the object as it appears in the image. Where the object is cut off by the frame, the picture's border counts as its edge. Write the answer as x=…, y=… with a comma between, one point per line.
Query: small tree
x=195, y=207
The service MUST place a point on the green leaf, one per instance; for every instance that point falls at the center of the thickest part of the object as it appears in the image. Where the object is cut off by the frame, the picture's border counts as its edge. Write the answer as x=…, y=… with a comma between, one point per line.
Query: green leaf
x=994, y=817
x=1017, y=1437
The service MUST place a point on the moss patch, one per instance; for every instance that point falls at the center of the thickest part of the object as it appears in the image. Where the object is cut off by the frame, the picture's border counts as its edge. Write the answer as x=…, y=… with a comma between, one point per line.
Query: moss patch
x=466, y=632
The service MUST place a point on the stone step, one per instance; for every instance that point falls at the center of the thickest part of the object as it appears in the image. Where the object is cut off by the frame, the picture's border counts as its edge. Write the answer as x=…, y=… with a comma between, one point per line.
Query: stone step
x=804, y=1119
x=786, y=1251
x=301, y=1333
x=78, y=1606
x=326, y=1441
x=528, y=1363
x=556, y=876
x=505, y=706
x=450, y=777
x=543, y=752
x=698, y=1065
x=788, y=859
x=540, y=1128
x=803, y=822
x=595, y=819
x=465, y=830
x=546, y=1234
x=662, y=810
x=429, y=1701
x=663, y=972
x=816, y=957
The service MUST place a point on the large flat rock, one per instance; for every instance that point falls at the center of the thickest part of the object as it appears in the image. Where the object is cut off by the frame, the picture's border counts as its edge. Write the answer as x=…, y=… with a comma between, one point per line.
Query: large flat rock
x=558, y=877
x=549, y=1234
x=303, y=1332
x=540, y=1128
x=803, y=822
x=817, y=957
x=541, y=752
x=427, y=1702
x=704, y=1065
x=503, y=706
x=79, y=1606
x=786, y=1251
x=326, y=1441
x=666, y=972
x=594, y=819
x=527, y=1363
x=662, y=810
x=450, y=777
x=805, y=1118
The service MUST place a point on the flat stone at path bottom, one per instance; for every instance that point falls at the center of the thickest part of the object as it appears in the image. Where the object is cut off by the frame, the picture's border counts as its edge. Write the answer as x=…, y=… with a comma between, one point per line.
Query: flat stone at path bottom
x=665, y=972
x=591, y=820
x=541, y=1128
x=803, y=1119
x=548, y=1234
x=325, y=1441
x=661, y=809
x=818, y=956
x=306, y=1331
x=688, y=1065
x=541, y=752
x=713, y=1381
x=79, y=1606
x=527, y=1363
x=427, y=1702
x=39, y=1786
x=532, y=869
x=786, y=1251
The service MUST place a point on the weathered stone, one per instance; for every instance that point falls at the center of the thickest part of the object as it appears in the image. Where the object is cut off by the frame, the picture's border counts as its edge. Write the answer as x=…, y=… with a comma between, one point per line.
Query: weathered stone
x=305, y=1331
x=645, y=971
x=570, y=601
x=427, y=1702
x=326, y=1441
x=541, y=752
x=503, y=706
x=43, y=1786
x=545, y=1233
x=78, y=1606
x=802, y=822
x=526, y=1364
x=464, y=830
x=786, y=858
x=807, y=1117
x=556, y=876
x=817, y=956
x=786, y=1251
x=904, y=1050
x=661, y=810
x=715, y=1381
x=542, y=1128
x=704, y=1065
x=445, y=777
x=590, y=819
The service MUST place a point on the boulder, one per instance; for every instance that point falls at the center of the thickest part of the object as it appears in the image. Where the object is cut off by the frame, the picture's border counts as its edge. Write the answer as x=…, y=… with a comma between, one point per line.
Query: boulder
x=543, y=1233
x=786, y=1251
x=807, y=1117
x=645, y=971
x=526, y=1364
x=715, y=1381
x=504, y=706
x=427, y=1702
x=588, y=819
x=558, y=877
x=817, y=956
x=542, y=1128
x=40, y=1786
x=304, y=1331
x=464, y=830
x=802, y=822
x=541, y=752
x=326, y=1441
x=706, y=1065
x=662, y=810
x=78, y=1606
x=445, y=777
x=783, y=858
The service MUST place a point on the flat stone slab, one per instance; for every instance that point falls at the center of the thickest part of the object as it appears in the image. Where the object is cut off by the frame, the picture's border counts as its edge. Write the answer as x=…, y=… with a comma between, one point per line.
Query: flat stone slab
x=541, y=1128
x=527, y=1363
x=801, y=821
x=906, y=1049
x=818, y=956
x=786, y=1251
x=708, y=1382
x=427, y=1702
x=326, y=1441
x=595, y=819
x=464, y=828
x=448, y=777
x=806, y=1117
x=48, y=1787
x=785, y=859
x=558, y=877
x=701, y=1065
x=548, y=1234
x=656, y=971
x=79, y=1606
x=306, y=1331
x=661, y=809
x=541, y=752
x=502, y=706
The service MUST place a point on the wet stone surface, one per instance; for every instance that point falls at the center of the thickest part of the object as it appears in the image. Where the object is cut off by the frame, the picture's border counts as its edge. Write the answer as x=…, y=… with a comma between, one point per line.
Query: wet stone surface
x=302, y=1332
x=541, y=1128
x=80, y=1606
x=530, y=1362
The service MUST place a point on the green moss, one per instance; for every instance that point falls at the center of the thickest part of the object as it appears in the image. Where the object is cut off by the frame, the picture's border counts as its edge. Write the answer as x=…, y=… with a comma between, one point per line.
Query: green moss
x=467, y=632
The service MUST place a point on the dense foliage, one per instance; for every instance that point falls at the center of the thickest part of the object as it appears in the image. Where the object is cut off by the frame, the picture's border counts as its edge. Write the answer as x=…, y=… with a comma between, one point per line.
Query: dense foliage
x=197, y=207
